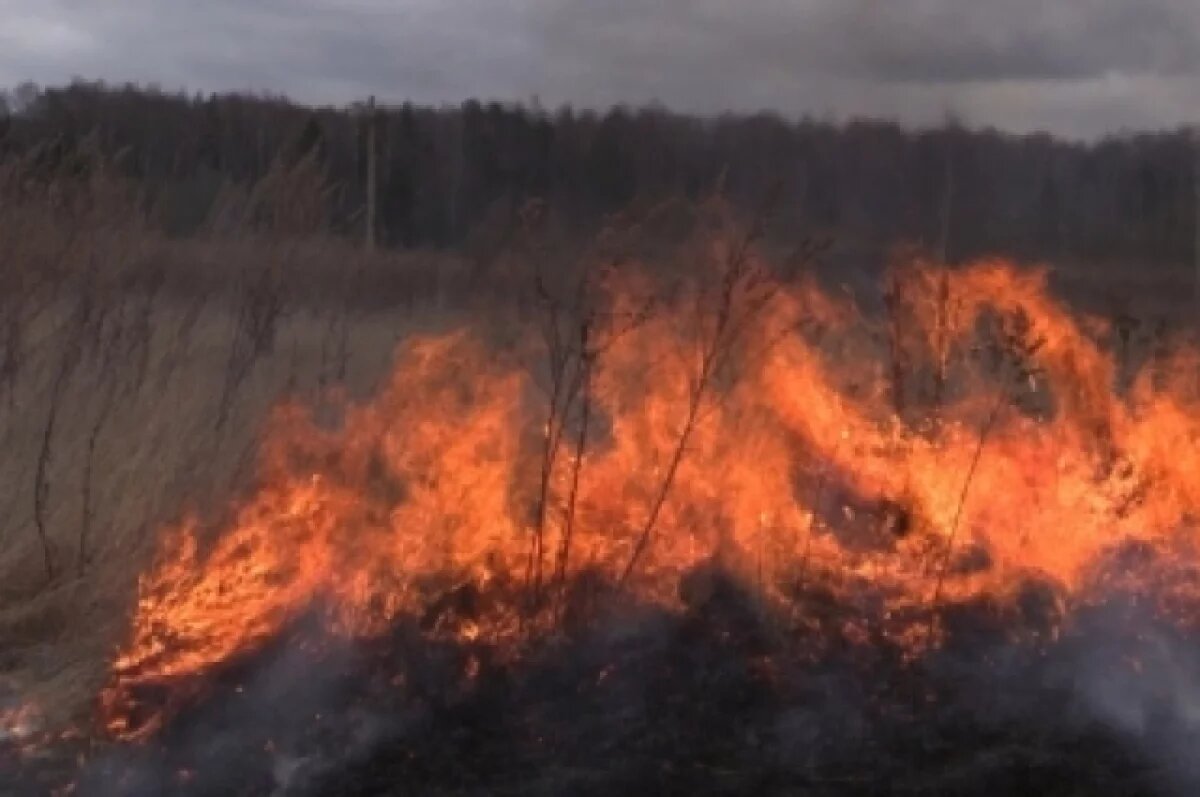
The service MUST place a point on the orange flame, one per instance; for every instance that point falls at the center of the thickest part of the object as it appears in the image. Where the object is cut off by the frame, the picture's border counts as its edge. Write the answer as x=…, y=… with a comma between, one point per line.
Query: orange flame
x=1031, y=461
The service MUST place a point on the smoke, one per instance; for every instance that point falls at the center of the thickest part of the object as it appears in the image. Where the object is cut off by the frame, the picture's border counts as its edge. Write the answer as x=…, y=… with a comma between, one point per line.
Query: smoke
x=717, y=696
x=1148, y=690
x=266, y=725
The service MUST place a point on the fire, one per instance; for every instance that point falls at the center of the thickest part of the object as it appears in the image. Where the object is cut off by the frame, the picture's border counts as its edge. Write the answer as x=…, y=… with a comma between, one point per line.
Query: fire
x=802, y=460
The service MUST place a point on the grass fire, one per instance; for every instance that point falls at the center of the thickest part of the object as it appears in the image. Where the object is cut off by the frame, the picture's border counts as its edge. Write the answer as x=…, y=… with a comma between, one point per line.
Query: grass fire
x=663, y=507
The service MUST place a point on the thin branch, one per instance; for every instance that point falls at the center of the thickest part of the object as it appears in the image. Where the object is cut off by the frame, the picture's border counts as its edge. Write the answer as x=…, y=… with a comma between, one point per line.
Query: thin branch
x=944, y=565
x=737, y=282
x=577, y=465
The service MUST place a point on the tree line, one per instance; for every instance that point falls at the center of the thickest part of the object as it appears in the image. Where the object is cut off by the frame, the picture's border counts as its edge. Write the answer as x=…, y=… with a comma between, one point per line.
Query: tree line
x=444, y=173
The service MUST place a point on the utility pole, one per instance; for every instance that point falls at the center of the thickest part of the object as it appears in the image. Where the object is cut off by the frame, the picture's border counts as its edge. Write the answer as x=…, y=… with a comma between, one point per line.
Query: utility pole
x=950, y=141
x=372, y=177
x=947, y=206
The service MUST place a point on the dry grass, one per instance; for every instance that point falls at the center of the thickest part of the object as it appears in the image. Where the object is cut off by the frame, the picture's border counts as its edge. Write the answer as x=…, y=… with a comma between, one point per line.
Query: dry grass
x=158, y=451
x=136, y=375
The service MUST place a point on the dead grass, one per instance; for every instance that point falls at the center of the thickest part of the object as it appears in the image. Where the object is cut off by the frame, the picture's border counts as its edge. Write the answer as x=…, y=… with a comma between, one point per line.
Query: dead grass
x=136, y=374
x=135, y=439
x=158, y=452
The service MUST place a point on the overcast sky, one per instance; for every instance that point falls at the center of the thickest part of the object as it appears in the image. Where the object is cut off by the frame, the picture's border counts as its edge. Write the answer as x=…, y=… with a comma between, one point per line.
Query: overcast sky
x=1076, y=67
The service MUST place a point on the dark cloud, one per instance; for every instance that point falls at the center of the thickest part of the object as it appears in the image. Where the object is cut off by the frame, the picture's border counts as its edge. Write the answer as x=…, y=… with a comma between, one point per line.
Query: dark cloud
x=947, y=41
x=1077, y=66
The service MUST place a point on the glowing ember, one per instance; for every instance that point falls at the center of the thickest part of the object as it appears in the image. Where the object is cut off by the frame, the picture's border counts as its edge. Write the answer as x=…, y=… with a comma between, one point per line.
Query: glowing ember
x=802, y=460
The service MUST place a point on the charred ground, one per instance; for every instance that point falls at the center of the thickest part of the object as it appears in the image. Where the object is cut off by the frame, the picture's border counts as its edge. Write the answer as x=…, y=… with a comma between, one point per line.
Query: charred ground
x=723, y=697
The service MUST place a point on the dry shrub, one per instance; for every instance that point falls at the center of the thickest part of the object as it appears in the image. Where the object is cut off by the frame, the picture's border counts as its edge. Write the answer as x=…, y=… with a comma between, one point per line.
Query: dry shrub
x=121, y=349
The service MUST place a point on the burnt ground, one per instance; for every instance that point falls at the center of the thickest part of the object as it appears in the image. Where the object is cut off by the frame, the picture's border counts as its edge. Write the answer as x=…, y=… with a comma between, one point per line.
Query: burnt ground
x=716, y=699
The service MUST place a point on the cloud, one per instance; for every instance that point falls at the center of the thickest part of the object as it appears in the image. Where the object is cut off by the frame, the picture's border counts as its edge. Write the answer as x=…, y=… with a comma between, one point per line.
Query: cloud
x=1079, y=67
x=948, y=41
x=1014, y=63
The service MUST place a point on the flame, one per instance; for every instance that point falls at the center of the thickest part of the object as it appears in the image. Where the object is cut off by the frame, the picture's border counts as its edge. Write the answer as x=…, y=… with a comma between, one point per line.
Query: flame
x=801, y=462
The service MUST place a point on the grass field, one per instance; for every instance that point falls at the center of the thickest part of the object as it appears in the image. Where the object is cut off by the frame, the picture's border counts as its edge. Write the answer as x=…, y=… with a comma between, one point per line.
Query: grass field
x=124, y=420
x=812, y=431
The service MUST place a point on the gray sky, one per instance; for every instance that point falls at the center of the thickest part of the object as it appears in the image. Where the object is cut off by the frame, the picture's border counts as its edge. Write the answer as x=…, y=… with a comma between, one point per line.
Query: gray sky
x=1077, y=67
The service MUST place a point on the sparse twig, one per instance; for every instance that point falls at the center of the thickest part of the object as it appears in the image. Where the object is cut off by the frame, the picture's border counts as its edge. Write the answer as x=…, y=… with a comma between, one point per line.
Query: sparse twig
x=106, y=404
x=75, y=333
x=585, y=416
x=260, y=309
x=1017, y=348
x=743, y=295
x=948, y=549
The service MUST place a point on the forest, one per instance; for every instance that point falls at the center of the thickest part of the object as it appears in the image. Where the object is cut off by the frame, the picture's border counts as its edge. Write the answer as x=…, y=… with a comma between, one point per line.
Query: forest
x=457, y=175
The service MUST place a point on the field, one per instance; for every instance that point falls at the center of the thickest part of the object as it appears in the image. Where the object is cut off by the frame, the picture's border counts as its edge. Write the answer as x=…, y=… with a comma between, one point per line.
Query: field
x=666, y=509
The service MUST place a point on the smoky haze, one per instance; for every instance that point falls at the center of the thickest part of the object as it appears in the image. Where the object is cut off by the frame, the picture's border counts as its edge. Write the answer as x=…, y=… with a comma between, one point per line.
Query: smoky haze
x=1077, y=69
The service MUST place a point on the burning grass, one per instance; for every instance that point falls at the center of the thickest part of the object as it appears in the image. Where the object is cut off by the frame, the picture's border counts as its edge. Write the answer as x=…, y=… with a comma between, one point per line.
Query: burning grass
x=1036, y=466
x=713, y=528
